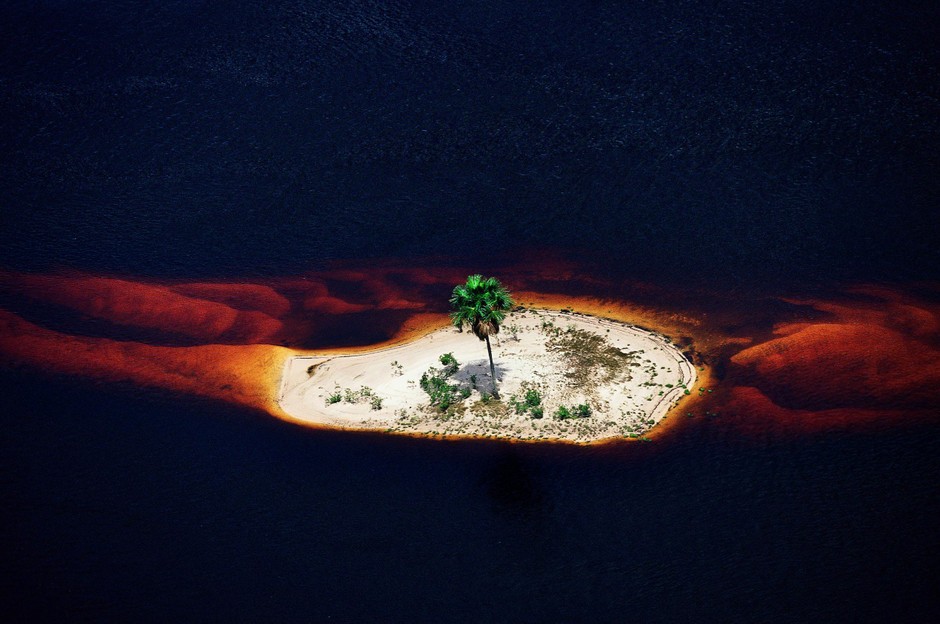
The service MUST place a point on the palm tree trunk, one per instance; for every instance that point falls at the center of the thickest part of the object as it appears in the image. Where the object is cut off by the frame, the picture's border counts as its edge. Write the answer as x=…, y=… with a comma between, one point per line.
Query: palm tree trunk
x=489, y=352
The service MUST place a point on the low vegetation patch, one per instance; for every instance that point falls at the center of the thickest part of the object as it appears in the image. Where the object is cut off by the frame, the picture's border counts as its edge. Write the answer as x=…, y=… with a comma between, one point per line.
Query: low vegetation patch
x=582, y=410
x=530, y=402
x=450, y=363
x=364, y=394
x=589, y=359
x=441, y=392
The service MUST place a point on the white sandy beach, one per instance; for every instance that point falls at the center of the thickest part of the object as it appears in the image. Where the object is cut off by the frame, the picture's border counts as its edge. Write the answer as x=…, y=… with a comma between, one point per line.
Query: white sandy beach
x=648, y=377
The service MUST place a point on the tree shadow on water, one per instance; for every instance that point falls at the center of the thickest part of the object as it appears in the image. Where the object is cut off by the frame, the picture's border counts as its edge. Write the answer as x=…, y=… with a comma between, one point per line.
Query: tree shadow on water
x=511, y=487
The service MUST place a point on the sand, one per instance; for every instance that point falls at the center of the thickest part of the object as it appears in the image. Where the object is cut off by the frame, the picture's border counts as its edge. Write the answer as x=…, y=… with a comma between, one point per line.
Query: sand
x=629, y=377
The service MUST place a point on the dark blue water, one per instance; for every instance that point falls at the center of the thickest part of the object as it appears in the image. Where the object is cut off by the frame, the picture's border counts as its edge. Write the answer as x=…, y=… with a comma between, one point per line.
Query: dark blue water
x=761, y=140
x=745, y=144
x=122, y=506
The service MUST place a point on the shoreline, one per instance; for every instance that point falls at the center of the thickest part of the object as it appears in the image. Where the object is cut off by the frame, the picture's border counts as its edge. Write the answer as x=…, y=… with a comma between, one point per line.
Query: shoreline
x=630, y=378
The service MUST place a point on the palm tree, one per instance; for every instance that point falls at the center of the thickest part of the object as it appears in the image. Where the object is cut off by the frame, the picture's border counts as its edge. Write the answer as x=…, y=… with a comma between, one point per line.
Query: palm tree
x=482, y=304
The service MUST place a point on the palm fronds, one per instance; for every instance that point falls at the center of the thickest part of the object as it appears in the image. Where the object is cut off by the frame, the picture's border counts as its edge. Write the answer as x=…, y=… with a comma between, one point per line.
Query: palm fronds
x=481, y=303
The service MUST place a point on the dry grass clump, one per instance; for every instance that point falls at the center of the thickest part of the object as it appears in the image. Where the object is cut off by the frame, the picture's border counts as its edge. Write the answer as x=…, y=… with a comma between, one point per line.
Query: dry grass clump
x=589, y=359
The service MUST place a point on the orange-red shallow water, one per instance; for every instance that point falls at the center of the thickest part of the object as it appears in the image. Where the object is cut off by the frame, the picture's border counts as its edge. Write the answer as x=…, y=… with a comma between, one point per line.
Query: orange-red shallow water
x=771, y=364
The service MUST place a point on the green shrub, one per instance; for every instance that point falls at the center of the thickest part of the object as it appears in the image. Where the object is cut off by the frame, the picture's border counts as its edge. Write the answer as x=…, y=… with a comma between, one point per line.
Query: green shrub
x=537, y=411
x=363, y=394
x=450, y=363
x=516, y=405
x=441, y=393
x=579, y=411
x=532, y=398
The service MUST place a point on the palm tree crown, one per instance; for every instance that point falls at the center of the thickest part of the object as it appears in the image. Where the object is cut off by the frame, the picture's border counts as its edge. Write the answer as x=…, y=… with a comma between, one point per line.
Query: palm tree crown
x=482, y=304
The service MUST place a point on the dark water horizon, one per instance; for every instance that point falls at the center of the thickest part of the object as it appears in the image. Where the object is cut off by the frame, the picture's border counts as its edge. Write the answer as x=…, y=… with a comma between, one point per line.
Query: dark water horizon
x=746, y=166
x=742, y=142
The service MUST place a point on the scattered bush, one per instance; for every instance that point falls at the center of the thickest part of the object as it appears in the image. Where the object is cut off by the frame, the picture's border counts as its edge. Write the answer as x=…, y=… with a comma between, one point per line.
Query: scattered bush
x=537, y=411
x=579, y=411
x=435, y=382
x=363, y=394
x=441, y=393
x=532, y=398
x=450, y=363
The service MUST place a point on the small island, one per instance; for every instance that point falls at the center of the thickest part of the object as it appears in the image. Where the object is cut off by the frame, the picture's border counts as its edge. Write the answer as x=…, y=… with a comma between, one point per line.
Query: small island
x=560, y=375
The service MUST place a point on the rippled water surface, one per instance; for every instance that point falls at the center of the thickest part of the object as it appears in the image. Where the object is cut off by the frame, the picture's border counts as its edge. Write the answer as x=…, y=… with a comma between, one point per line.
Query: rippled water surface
x=741, y=168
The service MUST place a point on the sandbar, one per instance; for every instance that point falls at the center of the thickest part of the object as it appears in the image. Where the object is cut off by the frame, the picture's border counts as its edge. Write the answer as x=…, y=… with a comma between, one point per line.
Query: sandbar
x=629, y=378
